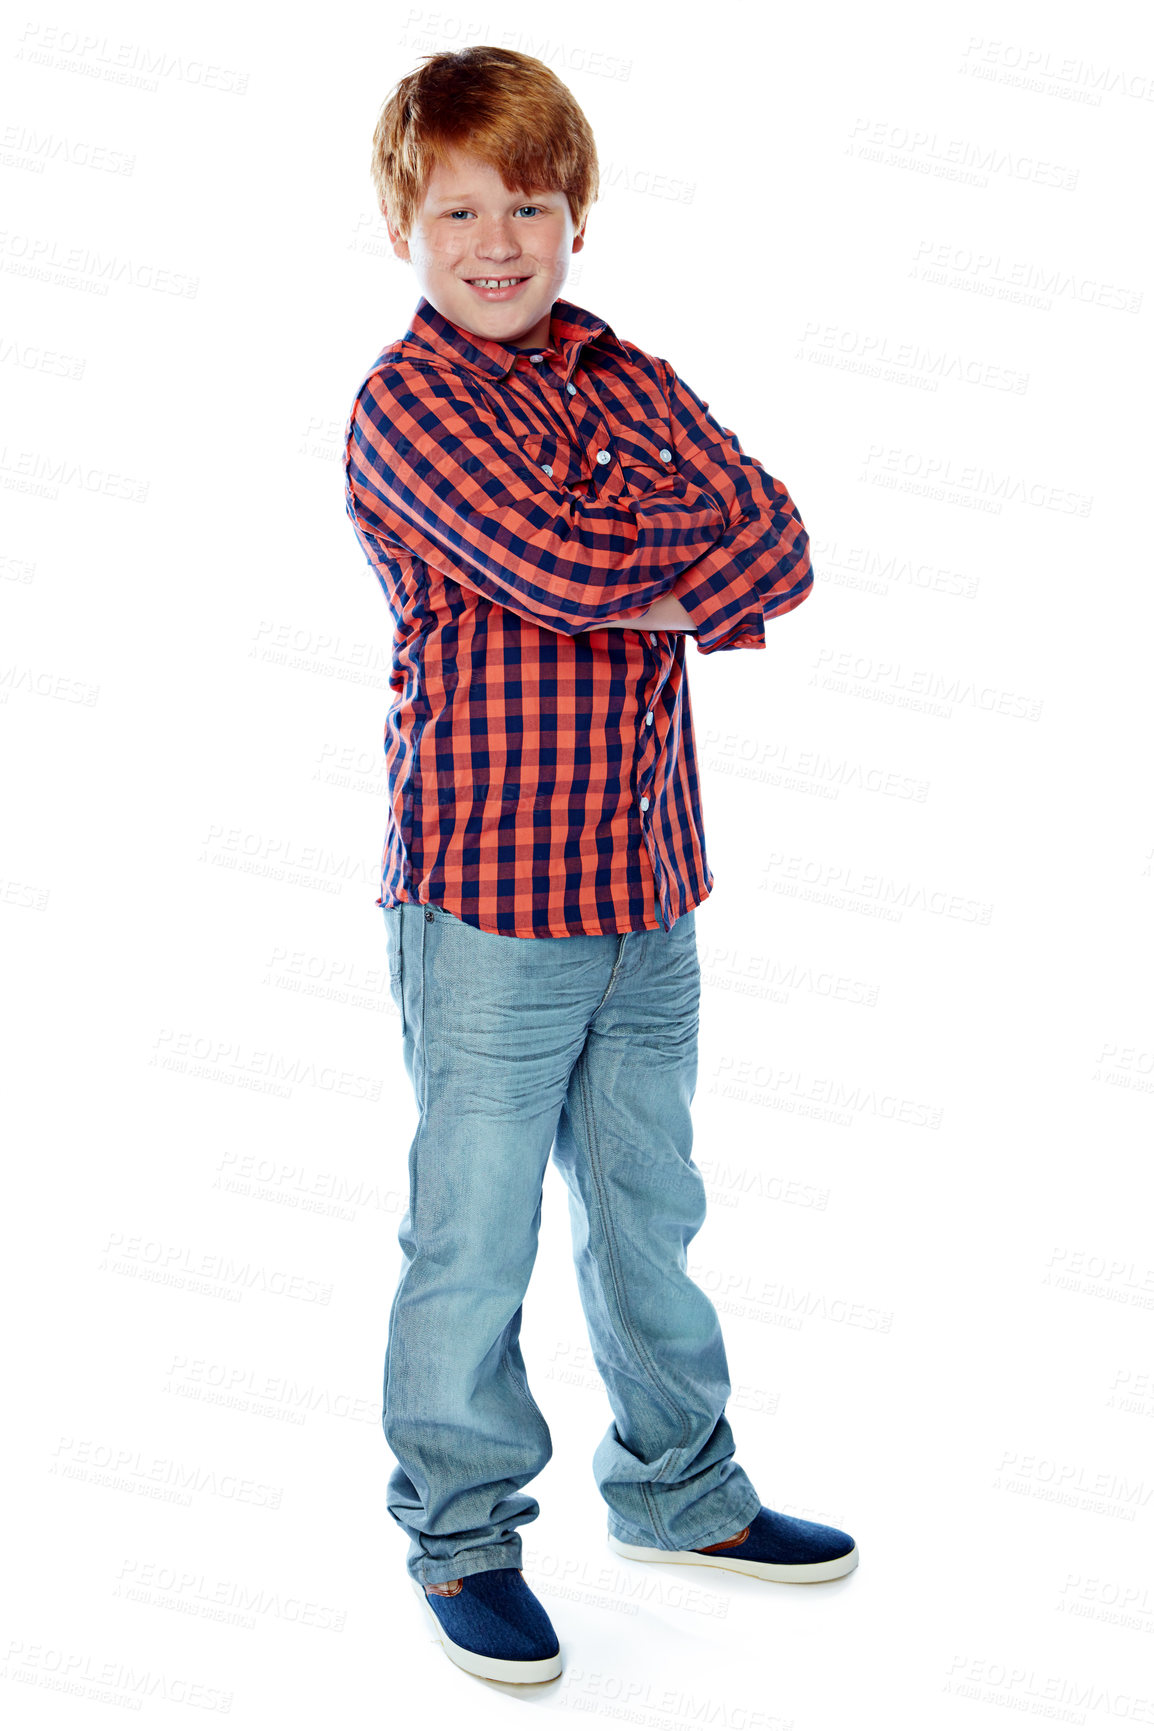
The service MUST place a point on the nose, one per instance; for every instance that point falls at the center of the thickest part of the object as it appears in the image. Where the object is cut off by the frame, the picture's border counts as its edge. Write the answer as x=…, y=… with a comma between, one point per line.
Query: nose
x=496, y=243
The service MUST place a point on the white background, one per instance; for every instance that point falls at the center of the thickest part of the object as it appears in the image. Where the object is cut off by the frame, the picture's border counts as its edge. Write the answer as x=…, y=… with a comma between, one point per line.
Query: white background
x=899, y=251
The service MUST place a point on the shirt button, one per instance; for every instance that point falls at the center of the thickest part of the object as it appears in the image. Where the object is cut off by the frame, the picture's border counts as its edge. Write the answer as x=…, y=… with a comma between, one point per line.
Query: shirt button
x=653, y=637
x=572, y=390
x=604, y=457
x=665, y=456
x=645, y=802
x=536, y=357
x=548, y=468
x=649, y=719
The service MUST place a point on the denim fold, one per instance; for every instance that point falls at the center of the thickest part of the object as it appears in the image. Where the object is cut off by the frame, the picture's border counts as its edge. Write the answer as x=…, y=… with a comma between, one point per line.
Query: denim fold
x=582, y=1049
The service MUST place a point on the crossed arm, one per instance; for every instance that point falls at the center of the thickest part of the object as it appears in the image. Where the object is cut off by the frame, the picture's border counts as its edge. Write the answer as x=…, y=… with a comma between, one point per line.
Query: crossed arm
x=426, y=466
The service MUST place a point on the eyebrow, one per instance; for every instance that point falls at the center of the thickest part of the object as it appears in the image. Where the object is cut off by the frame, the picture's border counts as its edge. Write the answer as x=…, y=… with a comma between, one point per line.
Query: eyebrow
x=472, y=197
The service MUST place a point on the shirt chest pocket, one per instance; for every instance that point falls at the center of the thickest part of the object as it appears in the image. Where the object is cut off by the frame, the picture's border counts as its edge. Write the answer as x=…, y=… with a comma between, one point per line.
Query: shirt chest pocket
x=644, y=453
x=556, y=458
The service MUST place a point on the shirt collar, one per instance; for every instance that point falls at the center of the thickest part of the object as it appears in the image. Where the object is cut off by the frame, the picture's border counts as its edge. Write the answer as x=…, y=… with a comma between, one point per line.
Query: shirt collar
x=571, y=327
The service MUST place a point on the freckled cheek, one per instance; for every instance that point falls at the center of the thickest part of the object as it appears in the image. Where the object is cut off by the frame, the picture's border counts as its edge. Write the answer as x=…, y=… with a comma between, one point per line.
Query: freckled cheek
x=438, y=244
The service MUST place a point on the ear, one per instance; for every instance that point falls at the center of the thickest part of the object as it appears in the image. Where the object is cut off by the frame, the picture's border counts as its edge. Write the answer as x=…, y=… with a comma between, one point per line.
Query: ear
x=399, y=244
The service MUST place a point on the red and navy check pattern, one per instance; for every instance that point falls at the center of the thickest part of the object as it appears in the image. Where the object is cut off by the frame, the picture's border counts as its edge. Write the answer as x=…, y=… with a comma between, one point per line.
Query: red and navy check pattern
x=543, y=779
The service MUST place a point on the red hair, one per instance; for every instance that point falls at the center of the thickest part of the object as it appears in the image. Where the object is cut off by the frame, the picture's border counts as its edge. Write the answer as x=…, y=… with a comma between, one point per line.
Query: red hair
x=494, y=103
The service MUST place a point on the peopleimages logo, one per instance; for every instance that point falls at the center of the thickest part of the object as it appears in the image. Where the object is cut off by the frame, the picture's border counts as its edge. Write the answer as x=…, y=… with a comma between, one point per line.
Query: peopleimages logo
x=999, y=1684
x=963, y=159
x=1021, y=282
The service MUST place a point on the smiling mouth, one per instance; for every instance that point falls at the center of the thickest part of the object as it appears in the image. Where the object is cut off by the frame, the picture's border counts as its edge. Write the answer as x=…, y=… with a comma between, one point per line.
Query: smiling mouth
x=495, y=282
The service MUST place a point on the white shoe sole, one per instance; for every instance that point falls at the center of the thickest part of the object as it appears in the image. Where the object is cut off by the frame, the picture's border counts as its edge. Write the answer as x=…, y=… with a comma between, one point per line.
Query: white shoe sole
x=789, y=1572
x=480, y=1665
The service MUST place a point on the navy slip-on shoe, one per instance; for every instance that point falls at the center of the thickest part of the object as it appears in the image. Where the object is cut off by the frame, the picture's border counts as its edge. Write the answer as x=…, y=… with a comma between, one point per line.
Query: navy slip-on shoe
x=495, y=1626
x=773, y=1548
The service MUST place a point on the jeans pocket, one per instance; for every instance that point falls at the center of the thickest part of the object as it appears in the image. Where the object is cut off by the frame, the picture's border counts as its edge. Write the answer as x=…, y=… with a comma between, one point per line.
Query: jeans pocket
x=394, y=929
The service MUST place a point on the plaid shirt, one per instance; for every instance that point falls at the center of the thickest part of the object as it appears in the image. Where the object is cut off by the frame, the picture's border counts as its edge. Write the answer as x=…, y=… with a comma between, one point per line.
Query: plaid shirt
x=543, y=778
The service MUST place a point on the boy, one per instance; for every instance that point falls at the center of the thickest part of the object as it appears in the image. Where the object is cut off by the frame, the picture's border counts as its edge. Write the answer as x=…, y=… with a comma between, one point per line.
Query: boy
x=550, y=511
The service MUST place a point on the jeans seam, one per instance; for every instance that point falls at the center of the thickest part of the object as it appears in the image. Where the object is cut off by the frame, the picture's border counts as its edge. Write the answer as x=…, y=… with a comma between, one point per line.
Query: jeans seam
x=613, y=975
x=515, y=1380
x=612, y=1258
x=419, y=1076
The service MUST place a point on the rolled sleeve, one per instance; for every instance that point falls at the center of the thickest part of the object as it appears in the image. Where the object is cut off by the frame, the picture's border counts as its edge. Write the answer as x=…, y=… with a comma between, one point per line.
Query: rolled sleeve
x=760, y=567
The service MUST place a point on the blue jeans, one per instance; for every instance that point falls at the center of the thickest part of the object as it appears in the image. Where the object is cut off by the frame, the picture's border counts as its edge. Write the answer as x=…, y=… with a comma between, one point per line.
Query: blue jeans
x=586, y=1048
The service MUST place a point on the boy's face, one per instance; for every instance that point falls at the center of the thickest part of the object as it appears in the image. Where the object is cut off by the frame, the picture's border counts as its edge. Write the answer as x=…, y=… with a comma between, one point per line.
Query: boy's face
x=470, y=229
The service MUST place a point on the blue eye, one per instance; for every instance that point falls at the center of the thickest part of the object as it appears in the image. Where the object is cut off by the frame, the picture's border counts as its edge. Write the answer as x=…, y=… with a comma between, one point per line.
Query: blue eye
x=463, y=212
